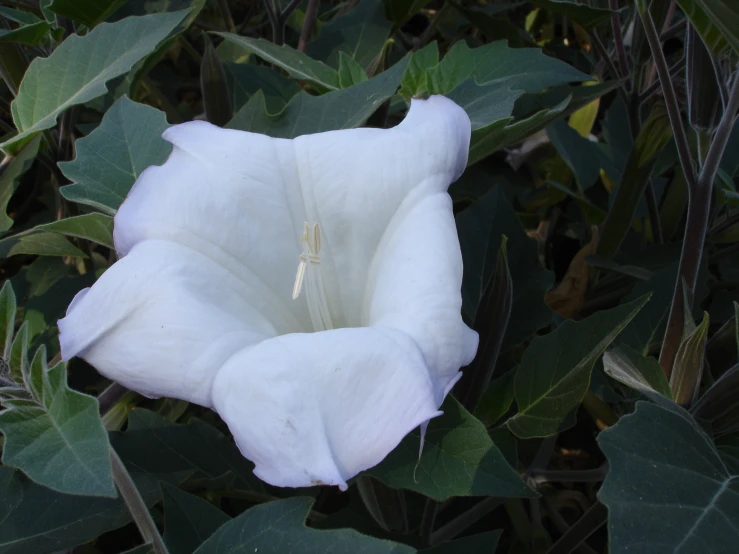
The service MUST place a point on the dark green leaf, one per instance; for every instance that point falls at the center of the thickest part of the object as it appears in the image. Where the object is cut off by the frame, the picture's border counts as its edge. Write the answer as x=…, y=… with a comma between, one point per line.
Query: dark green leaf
x=188, y=520
x=642, y=374
x=279, y=526
x=36, y=519
x=717, y=21
x=488, y=103
x=527, y=68
x=31, y=35
x=10, y=178
x=688, y=366
x=480, y=228
x=297, y=64
x=81, y=66
x=554, y=374
x=60, y=441
x=482, y=543
x=87, y=12
x=154, y=445
x=108, y=162
x=581, y=14
x=719, y=406
x=458, y=459
x=496, y=400
x=350, y=72
x=214, y=87
x=361, y=34
x=414, y=80
x=39, y=243
x=7, y=318
x=246, y=79
x=579, y=153
x=342, y=109
x=667, y=490
x=24, y=18
x=94, y=227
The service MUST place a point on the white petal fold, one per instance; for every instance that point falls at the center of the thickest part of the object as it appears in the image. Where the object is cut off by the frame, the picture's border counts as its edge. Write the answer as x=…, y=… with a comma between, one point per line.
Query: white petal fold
x=200, y=305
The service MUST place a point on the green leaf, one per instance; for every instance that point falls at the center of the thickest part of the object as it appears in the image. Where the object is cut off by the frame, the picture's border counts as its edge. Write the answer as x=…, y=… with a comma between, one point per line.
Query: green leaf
x=506, y=132
x=60, y=441
x=480, y=228
x=32, y=34
x=87, y=12
x=214, y=87
x=458, y=459
x=94, y=227
x=719, y=406
x=496, y=400
x=581, y=14
x=488, y=103
x=350, y=72
x=18, y=358
x=246, y=79
x=155, y=445
x=688, y=366
x=400, y=11
x=717, y=22
x=360, y=34
x=36, y=519
x=24, y=18
x=579, y=153
x=667, y=490
x=414, y=79
x=111, y=158
x=80, y=67
x=188, y=520
x=343, y=109
x=554, y=374
x=279, y=526
x=482, y=543
x=7, y=318
x=528, y=68
x=38, y=243
x=10, y=179
x=642, y=374
x=297, y=64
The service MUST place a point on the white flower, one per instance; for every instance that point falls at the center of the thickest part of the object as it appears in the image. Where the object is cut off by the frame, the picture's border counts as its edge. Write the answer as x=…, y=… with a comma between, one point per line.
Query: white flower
x=200, y=307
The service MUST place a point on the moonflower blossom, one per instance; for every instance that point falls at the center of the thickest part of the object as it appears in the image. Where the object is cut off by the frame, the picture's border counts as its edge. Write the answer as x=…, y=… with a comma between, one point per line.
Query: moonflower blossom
x=308, y=290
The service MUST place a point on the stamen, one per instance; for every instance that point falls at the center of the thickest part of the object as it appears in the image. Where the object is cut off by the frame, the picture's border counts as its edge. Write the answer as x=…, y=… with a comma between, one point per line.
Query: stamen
x=309, y=273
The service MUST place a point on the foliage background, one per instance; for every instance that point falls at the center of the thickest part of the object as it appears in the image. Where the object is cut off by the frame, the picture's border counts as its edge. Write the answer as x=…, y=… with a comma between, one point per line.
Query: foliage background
x=601, y=412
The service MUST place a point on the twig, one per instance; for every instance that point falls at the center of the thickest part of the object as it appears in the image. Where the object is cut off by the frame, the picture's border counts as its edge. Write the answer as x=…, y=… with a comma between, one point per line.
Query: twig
x=699, y=206
x=226, y=14
x=600, y=48
x=311, y=14
x=136, y=505
x=618, y=38
x=590, y=522
x=656, y=86
x=465, y=520
x=569, y=476
x=562, y=526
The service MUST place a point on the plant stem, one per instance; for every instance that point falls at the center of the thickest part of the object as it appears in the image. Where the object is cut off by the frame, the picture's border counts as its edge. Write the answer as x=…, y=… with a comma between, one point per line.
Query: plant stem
x=111, y=396
x=673, y=109
x=427, y=520
x=653, y=208
x=136, y=505
x=699, y=207
x=618, y=38
x=590, y=522
x=311, y=14
x=226, y=14
x=465, y=520
x=569, y=476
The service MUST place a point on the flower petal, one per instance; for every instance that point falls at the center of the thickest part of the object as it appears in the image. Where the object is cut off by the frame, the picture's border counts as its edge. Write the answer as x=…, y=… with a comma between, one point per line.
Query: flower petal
x=163, y=320
x=354, y=181
x=231, y=196
x=319, y=408
x=415, y=282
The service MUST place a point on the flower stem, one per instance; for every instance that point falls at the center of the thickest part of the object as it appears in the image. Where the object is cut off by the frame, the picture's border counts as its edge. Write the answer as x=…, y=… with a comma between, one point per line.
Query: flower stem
x=136, y=505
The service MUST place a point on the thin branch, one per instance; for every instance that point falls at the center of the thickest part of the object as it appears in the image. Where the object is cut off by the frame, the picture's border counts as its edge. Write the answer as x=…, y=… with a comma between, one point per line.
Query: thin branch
x=656, y=86
x=590, y=522
x=569, y=476
x=136, y=505
x=465, y=520
x=618, y=38
x=562, y=526
x=600, y=48
x=699, y=206
x=311, y=14
x=673, y=109
x=427, y=520
x=289, y=9
x=653, y=209
x=111, y=396
x=226, y=14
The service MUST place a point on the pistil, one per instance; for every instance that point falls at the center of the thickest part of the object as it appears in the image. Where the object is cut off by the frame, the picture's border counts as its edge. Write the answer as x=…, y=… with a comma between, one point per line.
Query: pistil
x=309, y=277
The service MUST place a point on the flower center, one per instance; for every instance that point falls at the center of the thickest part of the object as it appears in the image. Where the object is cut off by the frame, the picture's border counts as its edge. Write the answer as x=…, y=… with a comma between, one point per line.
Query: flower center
x=309, y=277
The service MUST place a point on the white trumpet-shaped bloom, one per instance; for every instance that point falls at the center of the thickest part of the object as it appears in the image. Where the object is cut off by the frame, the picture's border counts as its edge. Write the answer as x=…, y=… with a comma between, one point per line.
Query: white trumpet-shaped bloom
x=308, y=290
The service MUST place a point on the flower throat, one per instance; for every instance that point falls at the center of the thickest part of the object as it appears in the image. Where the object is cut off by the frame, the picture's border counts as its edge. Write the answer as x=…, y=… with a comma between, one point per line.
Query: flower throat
x=309, y=277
